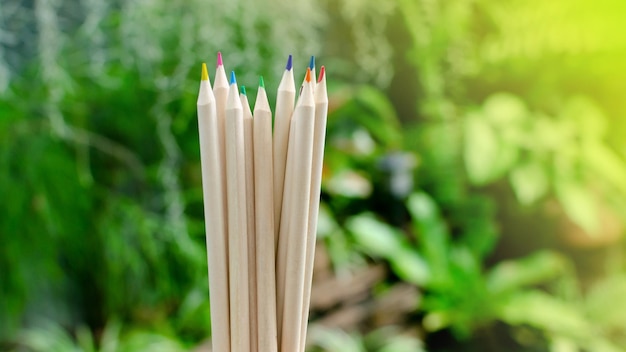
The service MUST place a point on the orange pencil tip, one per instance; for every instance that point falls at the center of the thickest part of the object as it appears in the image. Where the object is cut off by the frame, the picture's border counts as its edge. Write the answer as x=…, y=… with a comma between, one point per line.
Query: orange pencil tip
x=308, y=75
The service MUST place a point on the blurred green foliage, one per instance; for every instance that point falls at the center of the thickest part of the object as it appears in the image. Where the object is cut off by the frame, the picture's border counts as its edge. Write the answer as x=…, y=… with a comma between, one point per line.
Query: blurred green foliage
x=474, y=147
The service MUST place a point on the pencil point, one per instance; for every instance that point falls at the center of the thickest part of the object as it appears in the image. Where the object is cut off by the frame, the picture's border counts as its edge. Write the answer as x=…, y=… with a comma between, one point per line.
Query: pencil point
x=205, y=73
x=233, y=80
x=322, y=72
x=308, y=75
x=289, y=63
x=312, y=63
x=242, y=90
x=261, y=82
x=219, y=59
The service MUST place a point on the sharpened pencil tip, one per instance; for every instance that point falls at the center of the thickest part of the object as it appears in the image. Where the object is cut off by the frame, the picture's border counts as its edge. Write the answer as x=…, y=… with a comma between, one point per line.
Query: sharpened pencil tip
x=308, y=75
x=289, y=63
x=219, y=59
x=261, y=82
x=242, y=90
x=205, y=73
x=233, y=80
x=322, y=72
x=312, y=63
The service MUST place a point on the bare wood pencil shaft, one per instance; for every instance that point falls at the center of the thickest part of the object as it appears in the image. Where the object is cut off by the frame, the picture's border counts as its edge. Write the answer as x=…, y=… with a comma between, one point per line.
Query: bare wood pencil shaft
x=220, y=91
x=284, y=109
x=281, y=256
x=250, y=199
x=237, y=224
x=213, y=193
x=321, y=112
x=264, y=199
x=299, y=177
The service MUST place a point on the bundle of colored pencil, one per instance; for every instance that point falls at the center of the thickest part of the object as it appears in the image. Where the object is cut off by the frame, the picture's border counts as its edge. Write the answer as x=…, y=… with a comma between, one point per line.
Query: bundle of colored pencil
x=261, y=191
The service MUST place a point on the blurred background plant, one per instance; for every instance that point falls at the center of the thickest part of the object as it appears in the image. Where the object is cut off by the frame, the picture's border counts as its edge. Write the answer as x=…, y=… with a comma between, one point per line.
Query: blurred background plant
x=474, y=184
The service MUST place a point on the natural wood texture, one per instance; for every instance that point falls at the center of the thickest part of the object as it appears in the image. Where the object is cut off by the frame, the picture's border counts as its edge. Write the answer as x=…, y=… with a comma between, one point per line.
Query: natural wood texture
x=295, y=215
x=214, y=213
x=250, y=213
x=237, y=224
x=265, y=246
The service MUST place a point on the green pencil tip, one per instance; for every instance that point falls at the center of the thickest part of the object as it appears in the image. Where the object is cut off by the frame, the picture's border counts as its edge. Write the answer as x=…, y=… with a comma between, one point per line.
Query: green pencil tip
x=242, y=90
x=261, y=82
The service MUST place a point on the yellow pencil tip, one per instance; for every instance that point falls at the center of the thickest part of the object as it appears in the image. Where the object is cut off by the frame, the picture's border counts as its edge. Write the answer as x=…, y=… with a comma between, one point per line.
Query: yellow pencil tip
x=205, y=73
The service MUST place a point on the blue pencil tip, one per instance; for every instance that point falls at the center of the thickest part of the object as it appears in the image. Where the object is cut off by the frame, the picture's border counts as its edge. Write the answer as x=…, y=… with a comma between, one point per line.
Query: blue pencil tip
x=233, y=80
x=312, y=63
x=289, y=63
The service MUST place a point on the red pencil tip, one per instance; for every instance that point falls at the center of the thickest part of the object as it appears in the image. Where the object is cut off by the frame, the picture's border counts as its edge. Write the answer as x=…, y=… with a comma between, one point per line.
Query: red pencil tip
x=322, y=71
x=219, y=59
x=308, y=75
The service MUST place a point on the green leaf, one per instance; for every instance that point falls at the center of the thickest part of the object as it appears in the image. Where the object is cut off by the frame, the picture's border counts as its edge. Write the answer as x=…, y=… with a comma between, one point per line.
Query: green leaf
x=606, y=305
x=84, y=339
x=486, y=156
x=391, y=338
x=326, y=223
x=579, y=205
x=48, y=336
x=403, y=344
x=538, y=268
x=544, y=312
x=437, y=320
x=602, y=344
x=381, y=119
x=432, y=234
x=334, y=340
x=548, y=134
x=476, y=218
x=465, y=263
x=607, y=164
x=563, y=344
x=422, y=208
x=149, y=341
x=350, y=184
x=193, y=315
x=481, y=149
x=110, y=339
x=505, y=110
x=410, y=266
x=529, y=182
x=589, y=119
x=376, y=238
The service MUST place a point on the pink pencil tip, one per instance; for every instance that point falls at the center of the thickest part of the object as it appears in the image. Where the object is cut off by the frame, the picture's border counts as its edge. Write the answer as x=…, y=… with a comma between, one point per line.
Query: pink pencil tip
x=321, y=76
x=219, y=59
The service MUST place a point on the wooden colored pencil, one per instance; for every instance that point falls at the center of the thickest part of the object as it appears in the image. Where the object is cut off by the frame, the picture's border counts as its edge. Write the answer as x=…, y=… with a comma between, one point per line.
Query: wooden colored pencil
x=283, y=248
x=261, y=187
x=214, y=213
x=264, y=200
x=250, y=211
x=295, y=233
x=220, y=91
x=321, y=112
x=237, y=222
x=284, y=108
